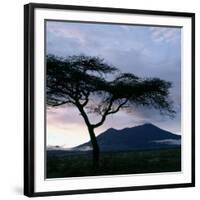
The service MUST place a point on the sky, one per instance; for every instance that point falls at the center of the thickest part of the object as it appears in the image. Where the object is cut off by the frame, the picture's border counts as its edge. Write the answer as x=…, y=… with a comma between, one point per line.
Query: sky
x=146, y=51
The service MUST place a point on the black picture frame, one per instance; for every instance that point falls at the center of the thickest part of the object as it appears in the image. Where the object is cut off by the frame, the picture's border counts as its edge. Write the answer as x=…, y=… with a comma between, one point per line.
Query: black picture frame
x=29, y=95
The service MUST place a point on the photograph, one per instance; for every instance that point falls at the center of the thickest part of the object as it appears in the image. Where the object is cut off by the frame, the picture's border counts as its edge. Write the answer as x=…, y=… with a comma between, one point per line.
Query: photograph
x=112, y=99
x=108, y=99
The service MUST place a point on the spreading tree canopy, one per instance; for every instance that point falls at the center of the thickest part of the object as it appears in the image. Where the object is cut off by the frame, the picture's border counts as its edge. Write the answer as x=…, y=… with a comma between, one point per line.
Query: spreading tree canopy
x=93, y=86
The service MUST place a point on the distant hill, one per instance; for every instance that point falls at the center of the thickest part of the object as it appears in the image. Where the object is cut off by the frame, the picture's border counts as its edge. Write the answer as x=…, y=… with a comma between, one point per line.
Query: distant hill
x=144, y=137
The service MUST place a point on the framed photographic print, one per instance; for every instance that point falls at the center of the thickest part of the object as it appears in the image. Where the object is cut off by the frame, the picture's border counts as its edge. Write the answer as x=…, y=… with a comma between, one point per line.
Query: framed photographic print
x=108, y=99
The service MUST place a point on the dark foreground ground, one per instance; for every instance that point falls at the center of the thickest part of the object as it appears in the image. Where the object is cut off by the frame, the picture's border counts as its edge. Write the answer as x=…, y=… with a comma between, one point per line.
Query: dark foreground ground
x=135, y=162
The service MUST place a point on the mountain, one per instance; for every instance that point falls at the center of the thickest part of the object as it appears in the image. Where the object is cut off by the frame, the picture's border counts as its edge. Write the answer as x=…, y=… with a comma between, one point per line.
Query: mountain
x=147, y=136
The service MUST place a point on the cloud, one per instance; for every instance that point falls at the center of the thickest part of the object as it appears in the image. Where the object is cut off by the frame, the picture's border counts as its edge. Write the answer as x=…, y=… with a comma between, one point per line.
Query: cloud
x=161, y=34
x=58, y=29
x=64, y=117
x=142, y=50
x=168, y=141
x=125, y=27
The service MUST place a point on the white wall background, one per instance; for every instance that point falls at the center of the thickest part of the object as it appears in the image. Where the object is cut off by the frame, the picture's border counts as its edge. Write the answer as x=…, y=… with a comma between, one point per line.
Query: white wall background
x=11, y=98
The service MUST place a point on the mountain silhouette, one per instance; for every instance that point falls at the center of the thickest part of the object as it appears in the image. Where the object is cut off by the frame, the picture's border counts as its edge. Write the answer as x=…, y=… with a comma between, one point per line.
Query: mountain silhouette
x=147, y=136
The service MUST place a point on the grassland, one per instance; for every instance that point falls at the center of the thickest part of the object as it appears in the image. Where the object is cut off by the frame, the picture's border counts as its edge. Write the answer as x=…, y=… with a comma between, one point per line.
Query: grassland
x=135, y=162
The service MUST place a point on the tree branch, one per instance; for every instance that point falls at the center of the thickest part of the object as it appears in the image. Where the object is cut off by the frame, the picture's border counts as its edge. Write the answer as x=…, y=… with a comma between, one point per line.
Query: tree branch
x=62, y=103
x=83, y=113
x=118, y=108
x=86, y=101
x=86, y=96
x=105, y=114
x=108, y=112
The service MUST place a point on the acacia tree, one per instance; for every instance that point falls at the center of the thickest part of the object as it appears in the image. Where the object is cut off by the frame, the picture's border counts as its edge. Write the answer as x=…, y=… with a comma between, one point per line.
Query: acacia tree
x=94, y=87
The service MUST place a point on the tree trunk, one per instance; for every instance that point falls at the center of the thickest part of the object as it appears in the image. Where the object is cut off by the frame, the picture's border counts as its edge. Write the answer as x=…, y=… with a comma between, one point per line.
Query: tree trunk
x=95, y=147
x=93, y=139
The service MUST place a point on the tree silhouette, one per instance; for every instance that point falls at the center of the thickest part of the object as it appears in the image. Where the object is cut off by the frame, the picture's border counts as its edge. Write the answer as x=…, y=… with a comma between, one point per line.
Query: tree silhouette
x=94, y=87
